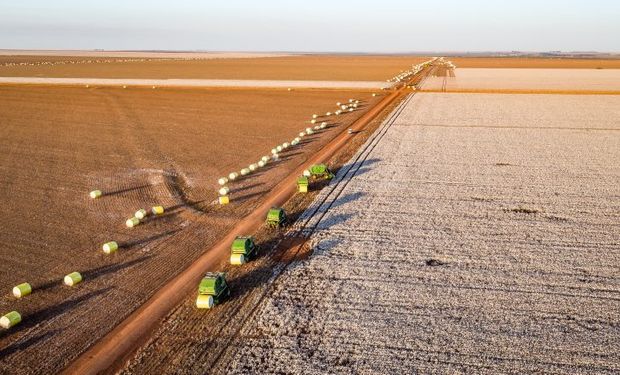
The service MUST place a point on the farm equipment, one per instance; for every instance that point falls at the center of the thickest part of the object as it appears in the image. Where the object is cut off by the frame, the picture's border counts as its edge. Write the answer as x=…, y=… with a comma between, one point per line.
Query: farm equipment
x=242, y=249
x=302, y=184
x=319, y=172
x=276, y=217
x=212, y=290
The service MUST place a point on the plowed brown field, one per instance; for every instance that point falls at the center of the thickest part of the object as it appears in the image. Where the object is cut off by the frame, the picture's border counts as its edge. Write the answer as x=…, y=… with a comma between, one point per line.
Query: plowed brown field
x=519, y=62
x=141, y=147
x=309, y=67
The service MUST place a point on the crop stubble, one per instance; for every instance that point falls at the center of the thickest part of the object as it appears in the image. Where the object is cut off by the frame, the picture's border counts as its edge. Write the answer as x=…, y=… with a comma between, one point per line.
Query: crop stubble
x=141, y=147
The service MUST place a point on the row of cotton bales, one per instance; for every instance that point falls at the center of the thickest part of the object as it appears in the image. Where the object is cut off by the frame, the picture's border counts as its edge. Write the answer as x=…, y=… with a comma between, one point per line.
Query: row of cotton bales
x=316, y=120
x=73, y=278
x=406, y=74
x=90, y=61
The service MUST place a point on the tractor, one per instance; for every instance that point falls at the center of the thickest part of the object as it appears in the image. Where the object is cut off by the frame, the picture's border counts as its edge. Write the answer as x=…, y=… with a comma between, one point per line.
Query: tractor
x=276, y=217
x=212, y=290
x=242, y=249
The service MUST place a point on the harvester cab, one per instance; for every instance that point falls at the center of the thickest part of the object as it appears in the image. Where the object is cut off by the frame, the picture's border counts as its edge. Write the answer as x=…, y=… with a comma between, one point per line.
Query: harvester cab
x=212, y=290
x=242, y=249
x=276, y=217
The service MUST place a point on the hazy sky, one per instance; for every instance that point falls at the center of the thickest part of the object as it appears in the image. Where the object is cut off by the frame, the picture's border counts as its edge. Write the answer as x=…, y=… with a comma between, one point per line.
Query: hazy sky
x=313, y=25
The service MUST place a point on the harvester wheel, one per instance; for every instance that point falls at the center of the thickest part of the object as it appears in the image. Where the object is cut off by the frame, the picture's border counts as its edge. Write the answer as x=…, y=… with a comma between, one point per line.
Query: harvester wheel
x=237, y=259
x=204, y=301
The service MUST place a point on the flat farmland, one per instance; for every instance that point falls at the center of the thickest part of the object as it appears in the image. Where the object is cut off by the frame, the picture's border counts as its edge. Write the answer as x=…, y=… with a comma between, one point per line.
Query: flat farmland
x=472, y=237
x=141, y=147
x=535, y=63
x=567, y=80
x=305, y=67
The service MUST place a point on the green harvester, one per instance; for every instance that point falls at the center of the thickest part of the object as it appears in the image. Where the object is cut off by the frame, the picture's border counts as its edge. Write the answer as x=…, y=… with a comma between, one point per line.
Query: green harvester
x=320, y=172
x=276, y=217
x=212, y=290
x=242, y=249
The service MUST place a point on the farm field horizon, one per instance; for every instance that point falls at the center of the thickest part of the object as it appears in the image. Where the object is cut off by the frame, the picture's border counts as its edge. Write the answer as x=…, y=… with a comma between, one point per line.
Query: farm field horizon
x=484, y=223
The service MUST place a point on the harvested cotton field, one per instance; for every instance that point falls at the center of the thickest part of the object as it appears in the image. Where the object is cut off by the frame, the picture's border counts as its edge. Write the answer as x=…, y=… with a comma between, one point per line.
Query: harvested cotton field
x=141, y=148
x=454, y=248
x=300, y=67
x=528, y=80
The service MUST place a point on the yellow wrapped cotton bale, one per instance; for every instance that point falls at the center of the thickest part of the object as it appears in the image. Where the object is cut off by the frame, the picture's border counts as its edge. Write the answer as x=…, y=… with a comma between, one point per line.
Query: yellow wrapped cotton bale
x=157, y=210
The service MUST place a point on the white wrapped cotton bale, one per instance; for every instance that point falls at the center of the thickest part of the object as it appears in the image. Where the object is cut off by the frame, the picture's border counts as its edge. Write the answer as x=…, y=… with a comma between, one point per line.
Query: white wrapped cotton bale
x=351, y=100
x=253, y=167
x=22, y=290
x=222, y=181
x=338, y=104
x=351, y=109
x=285, y=145
x=276, y=157
x=233, y=176
x=317, y=127
x=224, y=190
x=274, y=151
x=323, y=125
x=338, y=112
x=95, y=194
x=307, y=173
x=72, y=279
x=246, y=171
x=302, y=134
x=279, y=149
x=313, y=122
x=110, y=247
x=297, y=139
x=132, y=222
x=140, y=214
x=265, y=158
x=11, y=319
x=294, y=143
x=328, y=114
x=315, y=116
x=261, y=163
x=343, y=107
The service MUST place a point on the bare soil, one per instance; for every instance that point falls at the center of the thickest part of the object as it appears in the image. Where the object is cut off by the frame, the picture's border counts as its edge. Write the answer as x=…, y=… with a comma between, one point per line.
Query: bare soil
x=308, y=67
x=141, y=148
x=540, y=63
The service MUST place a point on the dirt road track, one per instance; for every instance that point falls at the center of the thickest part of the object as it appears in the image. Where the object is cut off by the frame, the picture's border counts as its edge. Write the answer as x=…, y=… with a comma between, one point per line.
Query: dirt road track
x=121, y=342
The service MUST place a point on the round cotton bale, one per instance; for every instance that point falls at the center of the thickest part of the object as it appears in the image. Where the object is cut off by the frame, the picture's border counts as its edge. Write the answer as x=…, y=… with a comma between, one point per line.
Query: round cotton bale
x=285, y=145
x=11, y=319
x=343, y=107
x=141, y=213
x=124, y=86
x=323, y=125
x=302, y=134
x=110, y=247
x=338, y=112
x=224, y=199
x=261, y=163
x=246, y=171
x=315, y=116
x=351, y=109
x=22, y=290
x=153, y=87
x=294, y=143
x=87, y=86
x=237, y=259
x=205, y=301
x=290, y=89
x=132, y=222
x=351, y=100
x=355, y=105
x=328, y=114
x=95, y=194
x=222, y=181
x=265, y=158
x=274, y=151
x=297, y=139
x=338, y=104
x=307, y=173
x=233, y=176
x=313, y=122
x=276, y=157
x=278, y=149
x=317, y=127
x=253, y=167
x=224, y=190
x=72, y=279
